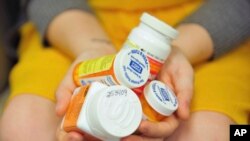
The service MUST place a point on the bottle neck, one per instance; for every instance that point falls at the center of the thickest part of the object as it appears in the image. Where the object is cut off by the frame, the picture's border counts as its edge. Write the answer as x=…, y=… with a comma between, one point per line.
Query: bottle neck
x=155, y=33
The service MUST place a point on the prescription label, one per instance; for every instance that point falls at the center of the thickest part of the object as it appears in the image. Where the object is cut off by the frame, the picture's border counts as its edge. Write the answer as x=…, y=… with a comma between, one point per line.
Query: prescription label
x=106, y=79
x=96, y=65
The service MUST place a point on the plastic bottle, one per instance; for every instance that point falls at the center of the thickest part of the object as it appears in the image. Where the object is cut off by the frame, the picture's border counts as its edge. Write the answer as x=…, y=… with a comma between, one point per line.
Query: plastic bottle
x=106, y=112
x=130, y=67
x=154, y=37
x=158, y=101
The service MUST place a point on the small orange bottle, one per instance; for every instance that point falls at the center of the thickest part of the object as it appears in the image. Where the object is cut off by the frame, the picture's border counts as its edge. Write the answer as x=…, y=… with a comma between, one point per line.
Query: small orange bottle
x=158, y=101
x=129, y=67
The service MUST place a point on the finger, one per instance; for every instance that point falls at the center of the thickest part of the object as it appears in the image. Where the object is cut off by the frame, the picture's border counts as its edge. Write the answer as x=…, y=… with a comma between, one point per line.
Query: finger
x=63, y=96
x=74, y=136
x=140, y=138
x=166, y=73
x=88, y=137
x=64, y=93
x=71, y=136
x=61, y=135
x=159, y=129
x=166, y=78
x=65, y=90
x=184, y=90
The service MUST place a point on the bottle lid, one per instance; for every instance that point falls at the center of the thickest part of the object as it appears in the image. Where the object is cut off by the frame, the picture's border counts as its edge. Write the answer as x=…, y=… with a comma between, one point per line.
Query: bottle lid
x=131, y=67
x=115, y=112
x=160, y=97
x=159, y=25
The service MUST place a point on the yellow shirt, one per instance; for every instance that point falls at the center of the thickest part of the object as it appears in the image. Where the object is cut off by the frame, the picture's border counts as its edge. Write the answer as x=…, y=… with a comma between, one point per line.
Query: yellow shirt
x=221, y=85
x=118, y=17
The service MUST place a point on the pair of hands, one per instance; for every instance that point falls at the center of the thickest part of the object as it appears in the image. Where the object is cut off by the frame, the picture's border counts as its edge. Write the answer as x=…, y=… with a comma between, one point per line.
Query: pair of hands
x=194, y=41
x=177, y=72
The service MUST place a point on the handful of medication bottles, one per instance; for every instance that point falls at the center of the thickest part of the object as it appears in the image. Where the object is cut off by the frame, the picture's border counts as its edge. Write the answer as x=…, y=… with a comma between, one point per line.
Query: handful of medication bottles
x=117, y=91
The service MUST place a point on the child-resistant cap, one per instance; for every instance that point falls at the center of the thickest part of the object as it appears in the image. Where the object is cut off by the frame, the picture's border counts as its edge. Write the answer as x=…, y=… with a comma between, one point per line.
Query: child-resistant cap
x=116, y=112
x=131, y=68
x=160, y=97
x=159, y=25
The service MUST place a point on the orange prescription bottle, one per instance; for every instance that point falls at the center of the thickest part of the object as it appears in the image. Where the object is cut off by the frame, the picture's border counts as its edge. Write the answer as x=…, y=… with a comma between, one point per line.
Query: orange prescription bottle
x=154, y=37
x=129, y=67
x=158, y=101
x=106, y=112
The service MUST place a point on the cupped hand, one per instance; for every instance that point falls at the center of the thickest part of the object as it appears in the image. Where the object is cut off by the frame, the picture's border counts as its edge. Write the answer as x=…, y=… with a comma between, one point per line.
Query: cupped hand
x=154, y=131
x=177, y=73
x=65, y=91
x=73, y=136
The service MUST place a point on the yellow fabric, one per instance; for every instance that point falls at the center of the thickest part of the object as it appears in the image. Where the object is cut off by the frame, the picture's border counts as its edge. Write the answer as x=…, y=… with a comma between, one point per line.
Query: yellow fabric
x=39, y=70
x=118, y=20
x=221, y=85
x=136, y=5
x=119, y=17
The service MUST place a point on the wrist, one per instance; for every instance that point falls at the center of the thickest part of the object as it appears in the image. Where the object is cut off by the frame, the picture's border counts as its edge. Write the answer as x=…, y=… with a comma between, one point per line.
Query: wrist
x=96, y=45
x=194, y=42
x=75, y=31
x=93, y=51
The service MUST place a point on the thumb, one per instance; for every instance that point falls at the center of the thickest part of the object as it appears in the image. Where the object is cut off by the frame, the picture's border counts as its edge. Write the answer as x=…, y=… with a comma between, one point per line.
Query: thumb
x=63, y=96
x=65, y=90
x=184, y=91
x=64, y=93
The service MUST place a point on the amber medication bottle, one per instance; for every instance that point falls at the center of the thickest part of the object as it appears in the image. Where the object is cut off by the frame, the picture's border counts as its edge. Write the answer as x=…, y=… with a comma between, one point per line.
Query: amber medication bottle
x=158, y=101
x=129, y=67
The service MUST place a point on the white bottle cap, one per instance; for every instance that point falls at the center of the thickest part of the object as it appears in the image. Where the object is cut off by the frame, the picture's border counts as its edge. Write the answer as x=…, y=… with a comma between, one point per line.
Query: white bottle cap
x=113, y=113
x=131, y=68
x=160, y=97
x=159, y=25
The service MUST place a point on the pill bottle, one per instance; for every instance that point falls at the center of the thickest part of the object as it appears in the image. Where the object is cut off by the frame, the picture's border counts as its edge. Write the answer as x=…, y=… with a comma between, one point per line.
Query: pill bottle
x=129, y=67
x=105, y=112
x=154, y=37
x=158, y=101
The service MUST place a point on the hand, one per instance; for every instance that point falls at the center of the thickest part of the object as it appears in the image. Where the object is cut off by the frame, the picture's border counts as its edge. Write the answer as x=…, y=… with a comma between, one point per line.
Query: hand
x=177, y=72
x=66, y=88
x=152, y=131
x=73, y=136
x=64, y=136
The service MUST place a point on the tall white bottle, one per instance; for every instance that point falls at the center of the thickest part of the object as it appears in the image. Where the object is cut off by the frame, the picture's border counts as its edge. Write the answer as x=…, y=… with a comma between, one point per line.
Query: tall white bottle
x=154, y=37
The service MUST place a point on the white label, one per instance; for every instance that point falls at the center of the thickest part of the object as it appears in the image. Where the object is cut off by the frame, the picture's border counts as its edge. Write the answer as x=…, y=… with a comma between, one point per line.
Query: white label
x=136, y=67
x=164, y=95
x=108, y=80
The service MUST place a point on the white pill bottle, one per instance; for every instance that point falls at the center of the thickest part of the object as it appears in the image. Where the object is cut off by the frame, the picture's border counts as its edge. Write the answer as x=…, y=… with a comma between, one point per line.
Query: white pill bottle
x=106, y=112
x=154, y=37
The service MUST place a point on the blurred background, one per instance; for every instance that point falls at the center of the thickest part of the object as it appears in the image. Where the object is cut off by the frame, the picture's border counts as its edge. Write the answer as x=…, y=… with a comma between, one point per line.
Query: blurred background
x=3, y=67
x=5, y=61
